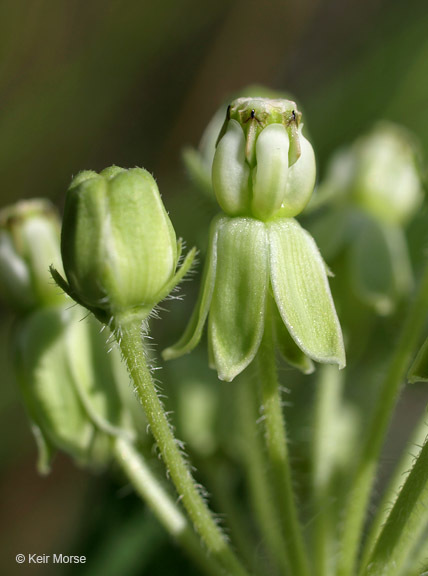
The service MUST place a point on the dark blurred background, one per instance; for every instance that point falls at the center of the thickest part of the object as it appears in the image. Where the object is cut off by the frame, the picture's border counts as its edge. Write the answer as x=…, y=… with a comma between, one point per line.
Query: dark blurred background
x=85, y=84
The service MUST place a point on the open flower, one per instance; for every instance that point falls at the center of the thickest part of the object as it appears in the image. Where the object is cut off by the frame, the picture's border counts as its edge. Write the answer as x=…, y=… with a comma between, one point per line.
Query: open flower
x=263, y=173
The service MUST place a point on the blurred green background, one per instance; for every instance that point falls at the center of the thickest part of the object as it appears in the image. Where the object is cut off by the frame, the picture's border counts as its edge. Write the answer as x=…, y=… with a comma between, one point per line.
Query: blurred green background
x=88, y=83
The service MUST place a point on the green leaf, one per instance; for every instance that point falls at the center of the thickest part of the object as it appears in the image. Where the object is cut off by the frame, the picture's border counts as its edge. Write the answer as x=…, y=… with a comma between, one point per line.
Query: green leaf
x=302, y=293
x=237, y=310
x=419, y=369
x=193, y=331
x=406, y=524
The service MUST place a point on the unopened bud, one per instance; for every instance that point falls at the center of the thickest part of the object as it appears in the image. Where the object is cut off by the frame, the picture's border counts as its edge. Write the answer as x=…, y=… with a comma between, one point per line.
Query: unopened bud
x=29, y=244
x=118, y=245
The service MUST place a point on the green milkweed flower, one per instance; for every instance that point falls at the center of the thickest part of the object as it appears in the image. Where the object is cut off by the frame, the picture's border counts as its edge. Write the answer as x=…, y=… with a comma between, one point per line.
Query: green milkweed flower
x=72, y=389
x=29, y=242
x=263, y=173
x=118, y=245
x=372, y=189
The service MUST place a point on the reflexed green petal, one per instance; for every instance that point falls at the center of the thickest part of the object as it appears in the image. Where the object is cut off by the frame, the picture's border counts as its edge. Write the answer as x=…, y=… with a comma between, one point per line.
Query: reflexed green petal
x=45, y=451
x=288, y=348
x=236, y=319
x=193, y=331
x=419, y=369
x=211, y=359
x=68, y=384
x=46, y=383
x=230, y=172
x=93, y=375
x=380, y=265
x=270, y=174
x=302, y=293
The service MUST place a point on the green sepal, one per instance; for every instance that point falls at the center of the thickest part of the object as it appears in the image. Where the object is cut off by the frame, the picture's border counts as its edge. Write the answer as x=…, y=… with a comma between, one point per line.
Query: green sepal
x=237, y=312
x=62, y=283
x=380, y=265
x=287, y=346
x=418, y=371
x=302, y=293
x=193, y=331
x=180, y=273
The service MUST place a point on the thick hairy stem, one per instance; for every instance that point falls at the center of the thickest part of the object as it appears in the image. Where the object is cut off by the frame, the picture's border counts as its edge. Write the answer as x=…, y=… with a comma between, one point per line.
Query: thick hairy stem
x=327, y=412
x=276, y=442
x=162, y=505
x=260, y=490
x=128, y=334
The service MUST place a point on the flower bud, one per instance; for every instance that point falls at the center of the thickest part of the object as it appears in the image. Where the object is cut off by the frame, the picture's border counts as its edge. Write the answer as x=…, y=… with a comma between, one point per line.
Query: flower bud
x=373, y=187
x=70, y=385
x=29, y=243
x=263, y=166
x=387, y=183
x=118, y=245
x=378, y=173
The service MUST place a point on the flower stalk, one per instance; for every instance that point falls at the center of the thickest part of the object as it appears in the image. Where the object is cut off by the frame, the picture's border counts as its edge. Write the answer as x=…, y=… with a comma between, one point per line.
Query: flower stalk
x=260, y=489
x=129, y=336
x=276, y=442
x=166, y=511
